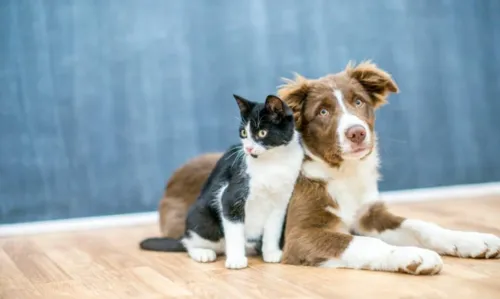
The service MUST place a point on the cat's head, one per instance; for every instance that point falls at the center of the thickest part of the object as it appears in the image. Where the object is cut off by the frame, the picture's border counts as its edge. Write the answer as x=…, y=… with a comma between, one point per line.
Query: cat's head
x=265, y=126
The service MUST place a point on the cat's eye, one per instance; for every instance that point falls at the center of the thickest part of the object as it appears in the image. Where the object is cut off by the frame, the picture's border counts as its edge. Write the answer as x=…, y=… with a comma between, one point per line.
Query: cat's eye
x=262, y=133
x=243, y=133
x=323, y=112
x=358, y=103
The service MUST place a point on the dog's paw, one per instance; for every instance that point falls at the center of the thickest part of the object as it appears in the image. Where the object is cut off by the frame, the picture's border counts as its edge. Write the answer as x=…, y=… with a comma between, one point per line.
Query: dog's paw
x=471, y=245
x=272, y=256
x=414, y=260
x=236, y=262
x=202, y=255
x=452, y=242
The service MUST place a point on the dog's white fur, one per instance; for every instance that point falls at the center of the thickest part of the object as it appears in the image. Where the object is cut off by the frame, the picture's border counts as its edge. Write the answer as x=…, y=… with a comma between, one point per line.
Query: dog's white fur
x=346, y=121
x=354, y=186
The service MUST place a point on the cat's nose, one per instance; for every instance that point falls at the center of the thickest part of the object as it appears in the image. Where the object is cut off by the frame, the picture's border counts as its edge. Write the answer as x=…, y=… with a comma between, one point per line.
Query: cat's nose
x=249, y=149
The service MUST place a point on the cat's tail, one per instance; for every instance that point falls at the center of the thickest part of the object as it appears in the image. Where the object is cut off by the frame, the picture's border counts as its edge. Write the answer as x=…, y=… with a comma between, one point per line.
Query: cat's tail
x=162, y=244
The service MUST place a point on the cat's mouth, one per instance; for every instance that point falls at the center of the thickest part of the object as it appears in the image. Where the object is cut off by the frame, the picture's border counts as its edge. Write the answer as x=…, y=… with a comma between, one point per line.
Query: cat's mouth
x=249, y=151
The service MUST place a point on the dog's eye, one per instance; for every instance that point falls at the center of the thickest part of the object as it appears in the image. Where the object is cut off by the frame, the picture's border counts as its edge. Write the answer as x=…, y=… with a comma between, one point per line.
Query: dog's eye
x=359, y=103
x=323, y=112
x=262, y=133
x=243, y=133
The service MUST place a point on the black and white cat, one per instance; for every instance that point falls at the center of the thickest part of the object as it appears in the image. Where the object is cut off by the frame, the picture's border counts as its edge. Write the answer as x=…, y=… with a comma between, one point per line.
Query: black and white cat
x=242, y=206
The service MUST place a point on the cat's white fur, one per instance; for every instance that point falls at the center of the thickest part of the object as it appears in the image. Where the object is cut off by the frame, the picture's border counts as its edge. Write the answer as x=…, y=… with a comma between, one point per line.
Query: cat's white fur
x=272, y=178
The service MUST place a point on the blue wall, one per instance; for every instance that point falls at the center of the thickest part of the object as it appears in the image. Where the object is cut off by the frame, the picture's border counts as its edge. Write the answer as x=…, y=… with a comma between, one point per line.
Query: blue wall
x=101, y=100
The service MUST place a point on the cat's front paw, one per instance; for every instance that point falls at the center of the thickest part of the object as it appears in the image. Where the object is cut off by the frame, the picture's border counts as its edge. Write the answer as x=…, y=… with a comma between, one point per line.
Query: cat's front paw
x=471, y=245
x=272, y=256
x=236, y=262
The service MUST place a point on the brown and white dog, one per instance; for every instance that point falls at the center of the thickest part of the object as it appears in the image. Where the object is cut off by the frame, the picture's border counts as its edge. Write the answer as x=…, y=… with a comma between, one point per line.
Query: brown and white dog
x=181, y=192
x=335, y=217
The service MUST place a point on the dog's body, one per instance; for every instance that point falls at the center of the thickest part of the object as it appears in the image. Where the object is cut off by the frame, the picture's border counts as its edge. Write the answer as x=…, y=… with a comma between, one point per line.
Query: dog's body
x=182, y=190
x=335, y=217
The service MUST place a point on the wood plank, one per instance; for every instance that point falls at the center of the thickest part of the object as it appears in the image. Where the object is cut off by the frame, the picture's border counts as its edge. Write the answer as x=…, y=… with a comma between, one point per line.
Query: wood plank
x=33, y=262
x=12, y=280
x=108, y=264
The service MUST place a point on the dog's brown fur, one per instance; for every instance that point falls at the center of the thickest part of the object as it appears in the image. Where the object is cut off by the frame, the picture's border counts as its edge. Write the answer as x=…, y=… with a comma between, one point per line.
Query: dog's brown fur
x=181, y=191
x=377, y=217
x=313, y=232
x=307, y=97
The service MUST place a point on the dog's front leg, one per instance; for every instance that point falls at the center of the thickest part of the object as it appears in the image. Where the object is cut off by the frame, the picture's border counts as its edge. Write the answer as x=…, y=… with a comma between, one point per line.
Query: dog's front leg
x=324, y=248
x=375, y=220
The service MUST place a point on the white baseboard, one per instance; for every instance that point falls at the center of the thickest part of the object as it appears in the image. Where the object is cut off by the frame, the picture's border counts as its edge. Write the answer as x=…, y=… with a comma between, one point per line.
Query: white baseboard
x=442, y=193
x=78, y=224
x=88, y=223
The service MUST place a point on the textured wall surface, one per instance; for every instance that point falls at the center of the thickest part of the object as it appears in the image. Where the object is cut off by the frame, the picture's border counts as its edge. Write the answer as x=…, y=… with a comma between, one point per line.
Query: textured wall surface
x=101, y=100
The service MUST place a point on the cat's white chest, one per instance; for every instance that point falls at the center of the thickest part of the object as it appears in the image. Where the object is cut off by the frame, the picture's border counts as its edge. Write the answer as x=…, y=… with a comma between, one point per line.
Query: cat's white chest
x=270, y=187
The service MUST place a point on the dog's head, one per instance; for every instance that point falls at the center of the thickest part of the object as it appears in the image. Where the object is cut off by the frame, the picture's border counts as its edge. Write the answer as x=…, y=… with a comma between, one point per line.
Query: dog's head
x=336, y=114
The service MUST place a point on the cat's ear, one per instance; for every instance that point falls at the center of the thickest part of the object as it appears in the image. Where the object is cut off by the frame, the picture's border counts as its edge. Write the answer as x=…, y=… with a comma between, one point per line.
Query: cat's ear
x=244, y=104
x=275, y=105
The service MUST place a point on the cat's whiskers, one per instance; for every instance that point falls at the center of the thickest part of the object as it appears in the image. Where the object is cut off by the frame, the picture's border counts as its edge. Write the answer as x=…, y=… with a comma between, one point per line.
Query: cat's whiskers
x=239, y=155
x=233, y=152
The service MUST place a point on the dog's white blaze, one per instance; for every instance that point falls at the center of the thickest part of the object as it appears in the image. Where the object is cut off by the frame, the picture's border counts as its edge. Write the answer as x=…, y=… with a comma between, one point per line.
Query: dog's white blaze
x=340, y=99
x=346, y=121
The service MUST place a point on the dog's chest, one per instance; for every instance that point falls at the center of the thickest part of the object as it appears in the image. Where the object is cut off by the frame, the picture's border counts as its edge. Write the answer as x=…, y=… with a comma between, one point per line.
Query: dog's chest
x=348, y=196
x=350, y=187
x=350, y=190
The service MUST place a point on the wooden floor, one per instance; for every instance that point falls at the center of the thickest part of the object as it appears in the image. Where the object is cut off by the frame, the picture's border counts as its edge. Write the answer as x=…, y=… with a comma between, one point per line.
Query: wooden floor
x=108, y=264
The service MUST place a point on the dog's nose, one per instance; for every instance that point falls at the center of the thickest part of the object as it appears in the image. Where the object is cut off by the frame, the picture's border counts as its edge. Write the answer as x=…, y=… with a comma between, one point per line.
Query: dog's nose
x=356, y=134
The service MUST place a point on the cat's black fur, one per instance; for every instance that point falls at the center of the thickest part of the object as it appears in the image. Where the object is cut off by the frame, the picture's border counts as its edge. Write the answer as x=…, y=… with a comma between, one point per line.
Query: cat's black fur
x=203, y=216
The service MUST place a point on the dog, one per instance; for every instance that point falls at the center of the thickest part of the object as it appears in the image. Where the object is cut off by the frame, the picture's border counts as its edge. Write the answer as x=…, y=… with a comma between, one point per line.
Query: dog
x=181, y=192
x=335, y=217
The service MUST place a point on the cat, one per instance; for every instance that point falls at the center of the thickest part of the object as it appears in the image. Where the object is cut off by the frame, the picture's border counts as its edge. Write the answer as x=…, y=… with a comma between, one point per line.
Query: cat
x=242, y=206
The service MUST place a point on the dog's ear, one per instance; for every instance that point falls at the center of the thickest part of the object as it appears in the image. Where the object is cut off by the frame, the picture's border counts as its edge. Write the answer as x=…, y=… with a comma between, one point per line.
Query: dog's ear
x=294, y=92
x=377, y=83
